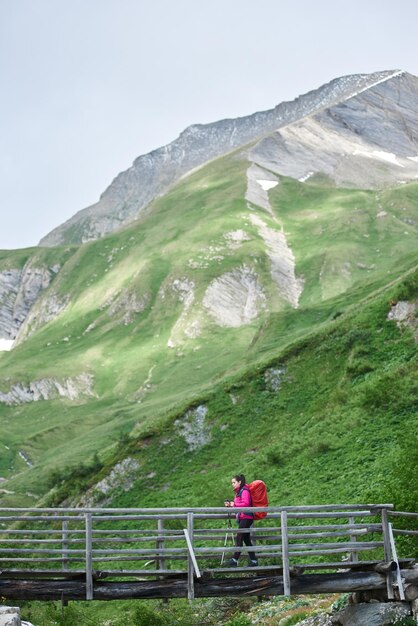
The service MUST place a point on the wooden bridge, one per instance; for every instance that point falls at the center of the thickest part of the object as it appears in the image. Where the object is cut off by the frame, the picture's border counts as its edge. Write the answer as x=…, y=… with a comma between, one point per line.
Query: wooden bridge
x=109, y=554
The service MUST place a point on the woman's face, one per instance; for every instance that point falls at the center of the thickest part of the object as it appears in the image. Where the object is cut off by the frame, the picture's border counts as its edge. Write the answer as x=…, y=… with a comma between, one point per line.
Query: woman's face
x=234, y=483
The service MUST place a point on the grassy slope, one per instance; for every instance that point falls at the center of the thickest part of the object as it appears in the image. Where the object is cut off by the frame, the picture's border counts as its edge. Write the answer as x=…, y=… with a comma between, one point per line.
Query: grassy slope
x=340, y=428
x=330, y=231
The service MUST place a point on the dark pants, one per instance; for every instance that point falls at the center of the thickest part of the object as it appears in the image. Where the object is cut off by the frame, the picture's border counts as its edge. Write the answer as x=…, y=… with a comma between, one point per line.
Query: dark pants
x=244, y=537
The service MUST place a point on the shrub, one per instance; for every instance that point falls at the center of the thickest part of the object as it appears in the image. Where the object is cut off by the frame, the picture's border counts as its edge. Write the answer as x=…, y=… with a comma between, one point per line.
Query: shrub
x=144, y=616
x=239, y=620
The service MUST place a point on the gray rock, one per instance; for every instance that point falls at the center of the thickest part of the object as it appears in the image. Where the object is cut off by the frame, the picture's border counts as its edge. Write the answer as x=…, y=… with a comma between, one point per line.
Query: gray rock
x=152, y=174
x=282, y=261
x=366, y=141
x=193, y=428
x=274, y=377
x=373, y=614
x=122, y=476
x=10, y=616
x=49, y=388
x=20, y=289
x=44, y=310
x=234, y=298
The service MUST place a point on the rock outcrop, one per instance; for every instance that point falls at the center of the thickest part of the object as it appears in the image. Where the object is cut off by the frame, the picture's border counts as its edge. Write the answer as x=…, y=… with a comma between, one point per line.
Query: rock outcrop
x=20, y=290
x=193, y=428
x=282, y=261
x=121, y=477
x=234, y=298
x=71, y=388
x=369, y=140
x=152, y=174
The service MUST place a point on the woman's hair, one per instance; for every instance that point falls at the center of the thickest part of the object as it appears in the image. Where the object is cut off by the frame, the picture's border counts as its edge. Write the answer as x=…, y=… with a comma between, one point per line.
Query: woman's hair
x=241, y=479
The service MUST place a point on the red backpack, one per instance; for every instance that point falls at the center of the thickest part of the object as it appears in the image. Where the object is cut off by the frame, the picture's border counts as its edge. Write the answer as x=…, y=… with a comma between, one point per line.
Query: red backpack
x=259, y=497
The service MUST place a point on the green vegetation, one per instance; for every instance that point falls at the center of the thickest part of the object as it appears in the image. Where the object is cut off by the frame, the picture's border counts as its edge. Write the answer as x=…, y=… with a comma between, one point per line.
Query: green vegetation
x=333, y=431
x=213, y=612
x=320, y=401
x=123, y=310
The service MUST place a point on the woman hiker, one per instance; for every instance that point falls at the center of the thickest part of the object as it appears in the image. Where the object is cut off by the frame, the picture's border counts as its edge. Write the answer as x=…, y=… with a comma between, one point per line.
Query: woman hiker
x=245, y=520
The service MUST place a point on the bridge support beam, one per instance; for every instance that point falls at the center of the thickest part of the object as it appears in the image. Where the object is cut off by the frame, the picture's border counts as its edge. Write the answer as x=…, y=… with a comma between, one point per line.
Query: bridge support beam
x=204, y=587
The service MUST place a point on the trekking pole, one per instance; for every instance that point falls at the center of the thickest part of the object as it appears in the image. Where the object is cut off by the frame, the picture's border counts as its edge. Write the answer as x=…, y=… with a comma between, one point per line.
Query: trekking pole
x=229, y=531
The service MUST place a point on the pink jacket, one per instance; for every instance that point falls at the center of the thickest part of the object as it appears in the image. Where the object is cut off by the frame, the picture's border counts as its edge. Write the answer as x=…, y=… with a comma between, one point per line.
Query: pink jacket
x=243, y=498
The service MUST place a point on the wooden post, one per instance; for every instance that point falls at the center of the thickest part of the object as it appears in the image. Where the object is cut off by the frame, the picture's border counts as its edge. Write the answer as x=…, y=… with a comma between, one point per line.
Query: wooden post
x=64, y=602
x=89, y=568
x=353, y=537
x=395, y=558
x=162, y=563
x=65, y=546
x=388, y=554
x=160, y=543
x=192, y=566
x=285, y=554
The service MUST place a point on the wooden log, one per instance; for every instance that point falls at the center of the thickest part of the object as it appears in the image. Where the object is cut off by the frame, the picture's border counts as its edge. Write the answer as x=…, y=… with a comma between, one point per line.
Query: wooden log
x=411, y=592
x=254, y=585
x=385, y=566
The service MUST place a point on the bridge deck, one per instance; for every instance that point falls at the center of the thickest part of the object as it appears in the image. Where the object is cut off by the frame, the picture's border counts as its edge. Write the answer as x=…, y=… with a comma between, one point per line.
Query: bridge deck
x=113, y=553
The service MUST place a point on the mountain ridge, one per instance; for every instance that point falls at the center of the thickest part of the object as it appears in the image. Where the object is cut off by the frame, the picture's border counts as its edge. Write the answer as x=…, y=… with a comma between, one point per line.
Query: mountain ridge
x=155, y=172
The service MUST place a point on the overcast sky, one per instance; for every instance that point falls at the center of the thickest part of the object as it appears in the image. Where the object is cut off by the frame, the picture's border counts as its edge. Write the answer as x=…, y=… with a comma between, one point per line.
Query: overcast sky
x=89, y=85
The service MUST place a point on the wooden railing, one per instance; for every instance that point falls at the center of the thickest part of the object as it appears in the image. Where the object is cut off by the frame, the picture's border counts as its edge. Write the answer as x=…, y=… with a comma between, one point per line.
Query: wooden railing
x=161, y=544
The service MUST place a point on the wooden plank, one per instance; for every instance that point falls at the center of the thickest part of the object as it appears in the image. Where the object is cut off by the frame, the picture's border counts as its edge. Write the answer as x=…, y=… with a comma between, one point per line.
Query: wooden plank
x=75, y=512
x=65, y=545
x=285, y=554
x=189, y=540
x=411, y=533
x=403, y=514
x=160, y=545
x=388, y=553
x=395, y=558
x=89, y=568
x=353, y=537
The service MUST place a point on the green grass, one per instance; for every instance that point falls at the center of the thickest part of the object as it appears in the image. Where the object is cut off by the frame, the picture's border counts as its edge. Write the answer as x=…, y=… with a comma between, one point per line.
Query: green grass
x=141, y=383
x=335, y=431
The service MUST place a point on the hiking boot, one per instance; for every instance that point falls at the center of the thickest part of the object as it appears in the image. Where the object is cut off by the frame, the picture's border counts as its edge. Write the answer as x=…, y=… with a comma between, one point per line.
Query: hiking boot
x=233, y=563
x=252, y=563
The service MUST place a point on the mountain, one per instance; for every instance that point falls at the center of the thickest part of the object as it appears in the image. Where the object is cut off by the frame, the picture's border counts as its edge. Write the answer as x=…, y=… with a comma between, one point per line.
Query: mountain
x=244, y=275
x=153, y=174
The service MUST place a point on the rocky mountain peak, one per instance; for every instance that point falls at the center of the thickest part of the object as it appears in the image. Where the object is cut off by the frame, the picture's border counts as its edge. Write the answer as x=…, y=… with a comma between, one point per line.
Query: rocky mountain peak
x=154, y=173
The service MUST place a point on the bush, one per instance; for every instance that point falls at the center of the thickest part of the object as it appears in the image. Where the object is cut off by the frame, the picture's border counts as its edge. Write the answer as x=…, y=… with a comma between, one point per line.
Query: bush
x=239, y=620
x=144, y=616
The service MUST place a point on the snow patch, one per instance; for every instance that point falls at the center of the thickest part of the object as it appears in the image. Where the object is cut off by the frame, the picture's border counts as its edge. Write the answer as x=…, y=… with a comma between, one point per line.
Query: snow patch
x=381, y=80
x=305, y=178
x=6, y=344
x=413, y=158
x=259, y=181
x=389, y=157
x=267, y=184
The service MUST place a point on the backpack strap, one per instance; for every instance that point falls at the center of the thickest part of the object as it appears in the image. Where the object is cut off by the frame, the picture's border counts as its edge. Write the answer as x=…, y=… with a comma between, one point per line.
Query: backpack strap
x=251, y=499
